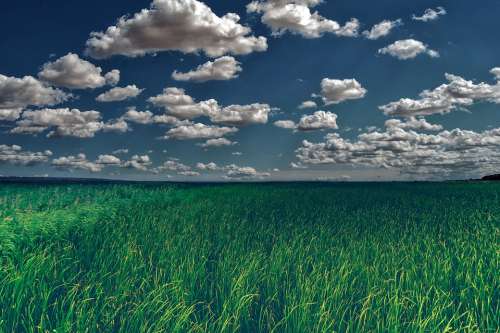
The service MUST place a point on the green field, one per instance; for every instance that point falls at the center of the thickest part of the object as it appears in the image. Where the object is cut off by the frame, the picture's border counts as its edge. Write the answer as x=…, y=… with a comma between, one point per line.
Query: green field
x=403, y=257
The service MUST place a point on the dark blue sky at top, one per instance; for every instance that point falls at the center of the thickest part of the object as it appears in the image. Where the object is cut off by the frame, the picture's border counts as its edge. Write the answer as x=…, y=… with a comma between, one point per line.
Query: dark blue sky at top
x=35, y=32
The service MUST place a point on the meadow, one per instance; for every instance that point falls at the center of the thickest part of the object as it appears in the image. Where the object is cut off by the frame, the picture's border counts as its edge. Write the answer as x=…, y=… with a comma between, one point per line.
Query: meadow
x=339, y=257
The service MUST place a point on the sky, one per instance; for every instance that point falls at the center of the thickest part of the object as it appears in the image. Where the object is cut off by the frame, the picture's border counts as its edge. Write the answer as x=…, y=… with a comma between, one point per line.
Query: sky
x=263, y=90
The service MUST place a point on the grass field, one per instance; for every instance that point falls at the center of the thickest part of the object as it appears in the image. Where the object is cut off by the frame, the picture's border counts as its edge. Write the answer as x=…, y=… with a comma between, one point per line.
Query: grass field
x=422, y=257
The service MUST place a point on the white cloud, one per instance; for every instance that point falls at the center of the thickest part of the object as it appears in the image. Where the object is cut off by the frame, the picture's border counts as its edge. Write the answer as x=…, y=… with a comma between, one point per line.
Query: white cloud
x=308, y=105
x=16, y=93
x=414, y=124
x=336, y=91
x=118, y=94
x=286, y=124
x=241, y=115
x=138, y=162
x=120, y=151
x=188, y=26
x=318, y=120
x=15, y=154
x=221, y=69
x=208, y=166
x=236, y=172
x=10, y=114
x=198, y=131
x=220, y=142
x=295, y=16
x=457, y=152
x=382, y=29
x=430, y=14
x=63, y=122
x=74, y=73
x=457, y=93
x=178, y=104
x=76, y=162
x=408, y=49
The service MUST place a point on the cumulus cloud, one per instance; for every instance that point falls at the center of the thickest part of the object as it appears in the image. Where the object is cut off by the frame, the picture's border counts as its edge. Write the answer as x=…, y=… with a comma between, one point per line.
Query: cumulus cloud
x=147, y=117
x=307, y=105
x=81, y=162
x=382, y=29
x=400, y=147
x=221, y=69
x=241, y=115
x=318, y=120
x=76, y=162
x=119, y=94
x=295, y=16
x=208, y=166
x=336, y=91
x=430, y=14
x=15, y=154
x=286, y=124
x=10, y=114
x=457, y=93
x=220, y=142
x=198, y=131
x=236, y=172
x=414, y=124
x=74, y=73
x=188, y=26
x=182, y=106
x=408, y=49
x=62, y=122
x=138, y=162
x=18, y=93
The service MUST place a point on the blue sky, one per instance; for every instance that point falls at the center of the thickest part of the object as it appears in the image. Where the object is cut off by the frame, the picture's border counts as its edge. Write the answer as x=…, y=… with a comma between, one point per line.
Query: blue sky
x=282, y=59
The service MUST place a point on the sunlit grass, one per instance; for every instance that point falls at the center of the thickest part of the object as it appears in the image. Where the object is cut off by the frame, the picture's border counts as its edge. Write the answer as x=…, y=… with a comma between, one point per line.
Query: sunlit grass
x=250, y=258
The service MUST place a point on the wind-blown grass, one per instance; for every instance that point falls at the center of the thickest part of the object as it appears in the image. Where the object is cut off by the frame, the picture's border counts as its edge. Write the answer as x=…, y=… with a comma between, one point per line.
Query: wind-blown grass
x=250, y=258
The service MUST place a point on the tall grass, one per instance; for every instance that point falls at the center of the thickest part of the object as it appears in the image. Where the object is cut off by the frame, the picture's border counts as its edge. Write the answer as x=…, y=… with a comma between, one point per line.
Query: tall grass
x=250, y=258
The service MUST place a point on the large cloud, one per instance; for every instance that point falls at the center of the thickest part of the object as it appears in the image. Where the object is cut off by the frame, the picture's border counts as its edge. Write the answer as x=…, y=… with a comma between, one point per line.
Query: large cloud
x=457, y=93
x=188, y=26
x=296, y=17
x=81, y=162
x=178, y=104
x=15, y=154
x=408, y=49
x=119, y=94
x=382, y=29
x=64, y=122
x=74, y=73
x=221, y=69
x=336, y=91
x=198, y=131
x=446, y=153
x=430, y=14
x=18, y=93
x=319, y=120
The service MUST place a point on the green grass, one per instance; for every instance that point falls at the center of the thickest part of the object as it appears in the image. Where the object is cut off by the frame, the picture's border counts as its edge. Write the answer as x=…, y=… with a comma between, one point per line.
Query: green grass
x=250, y=258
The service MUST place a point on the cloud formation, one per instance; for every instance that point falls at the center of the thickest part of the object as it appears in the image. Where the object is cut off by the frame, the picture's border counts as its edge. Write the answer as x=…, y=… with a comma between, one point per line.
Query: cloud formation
x=457, y=93
x=198, y=131
x=64, y=122
x=399, y=147
x=74, y=73
x=408, y=49
x=430, y=14
x=188, y=26
x=119, y=94
x=176, y=103
x=295, y=16
x=382, y=29
x=337, y=91
x=221, y=69
x=18, y=93
x=15, y=154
